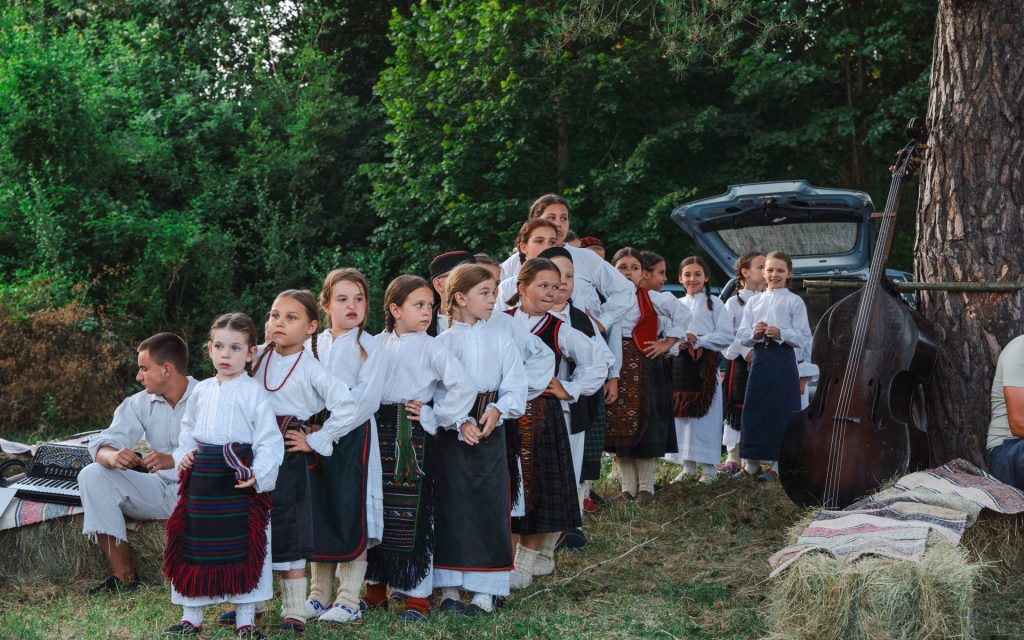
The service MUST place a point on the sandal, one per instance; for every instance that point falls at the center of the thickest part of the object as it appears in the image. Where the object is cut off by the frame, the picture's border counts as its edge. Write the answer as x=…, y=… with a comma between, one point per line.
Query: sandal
x=729, y=468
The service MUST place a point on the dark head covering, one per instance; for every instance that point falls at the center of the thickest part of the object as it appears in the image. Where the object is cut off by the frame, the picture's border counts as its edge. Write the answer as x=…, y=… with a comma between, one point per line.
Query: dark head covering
x=590, y=241
x=445, y=262
x=556, y=252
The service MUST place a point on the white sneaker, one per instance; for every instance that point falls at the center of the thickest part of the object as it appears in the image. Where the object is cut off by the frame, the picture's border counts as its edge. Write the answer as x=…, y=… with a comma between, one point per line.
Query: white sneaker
x=341, y=614
x=314, y=609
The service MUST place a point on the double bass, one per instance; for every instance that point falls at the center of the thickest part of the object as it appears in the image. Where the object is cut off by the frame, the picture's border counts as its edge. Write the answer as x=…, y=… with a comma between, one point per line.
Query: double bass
x=874, y=353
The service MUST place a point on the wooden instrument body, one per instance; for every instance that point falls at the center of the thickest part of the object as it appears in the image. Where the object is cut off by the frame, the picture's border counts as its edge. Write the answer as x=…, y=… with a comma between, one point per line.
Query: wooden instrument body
x=852, y=443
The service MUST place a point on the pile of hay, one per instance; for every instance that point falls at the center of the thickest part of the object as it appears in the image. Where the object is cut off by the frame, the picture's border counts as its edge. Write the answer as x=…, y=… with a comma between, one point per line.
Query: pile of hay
x=876, y=598
x=873, y=598
x=998, y=541
x=56, y=552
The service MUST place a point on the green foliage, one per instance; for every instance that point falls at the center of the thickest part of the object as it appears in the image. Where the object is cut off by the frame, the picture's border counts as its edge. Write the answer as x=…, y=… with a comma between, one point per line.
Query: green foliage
x=163, y=161
x=491, y=104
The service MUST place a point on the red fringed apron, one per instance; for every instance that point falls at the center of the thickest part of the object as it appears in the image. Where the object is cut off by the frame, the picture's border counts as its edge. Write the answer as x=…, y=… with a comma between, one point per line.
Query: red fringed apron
x=217, y=534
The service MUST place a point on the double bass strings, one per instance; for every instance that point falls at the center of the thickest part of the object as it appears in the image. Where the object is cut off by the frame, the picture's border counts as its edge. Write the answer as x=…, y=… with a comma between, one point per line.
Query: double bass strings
x=835, y=461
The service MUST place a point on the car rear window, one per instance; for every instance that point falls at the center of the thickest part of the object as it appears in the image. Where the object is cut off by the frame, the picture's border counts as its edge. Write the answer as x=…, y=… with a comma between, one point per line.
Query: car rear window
x=798, y=239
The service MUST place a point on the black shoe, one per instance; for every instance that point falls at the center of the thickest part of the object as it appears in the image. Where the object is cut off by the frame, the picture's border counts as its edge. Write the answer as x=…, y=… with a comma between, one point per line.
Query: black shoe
x=596, y=498
x=113, y=584
x=452, y=606
x=574, y=540
x=183, y=629
x=476, y=611
x=251, y=632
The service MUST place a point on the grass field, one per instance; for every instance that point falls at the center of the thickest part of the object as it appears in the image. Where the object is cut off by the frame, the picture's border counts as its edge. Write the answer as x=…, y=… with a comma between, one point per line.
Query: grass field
x=692, y=564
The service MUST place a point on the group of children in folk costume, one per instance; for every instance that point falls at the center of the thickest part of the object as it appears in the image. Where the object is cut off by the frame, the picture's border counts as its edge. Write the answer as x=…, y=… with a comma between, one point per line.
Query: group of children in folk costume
x=416, y=451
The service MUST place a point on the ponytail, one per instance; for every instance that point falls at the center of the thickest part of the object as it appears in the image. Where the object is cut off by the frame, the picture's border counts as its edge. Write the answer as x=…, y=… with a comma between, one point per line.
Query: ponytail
x=256, y=365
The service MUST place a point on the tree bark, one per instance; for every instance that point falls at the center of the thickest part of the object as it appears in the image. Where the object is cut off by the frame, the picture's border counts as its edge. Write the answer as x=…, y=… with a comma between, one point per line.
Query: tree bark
x=970, y=223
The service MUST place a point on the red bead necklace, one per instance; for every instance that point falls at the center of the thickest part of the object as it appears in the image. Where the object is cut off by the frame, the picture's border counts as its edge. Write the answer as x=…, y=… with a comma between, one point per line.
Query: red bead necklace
x=267, y=368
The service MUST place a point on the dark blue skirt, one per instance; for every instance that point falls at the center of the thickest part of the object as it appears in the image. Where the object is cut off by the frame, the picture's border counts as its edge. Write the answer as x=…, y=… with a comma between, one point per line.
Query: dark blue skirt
x=773, y=394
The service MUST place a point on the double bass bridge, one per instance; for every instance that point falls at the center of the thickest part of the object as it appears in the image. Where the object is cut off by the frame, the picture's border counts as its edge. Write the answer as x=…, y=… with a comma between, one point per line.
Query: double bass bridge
x=849, y=419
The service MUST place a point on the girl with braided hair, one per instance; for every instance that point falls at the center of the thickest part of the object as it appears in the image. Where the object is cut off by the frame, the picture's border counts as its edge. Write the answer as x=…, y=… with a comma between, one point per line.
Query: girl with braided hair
x=346, y=485
x=424, y=390
x=298, y=387
x=697, y=393
x=474, y=494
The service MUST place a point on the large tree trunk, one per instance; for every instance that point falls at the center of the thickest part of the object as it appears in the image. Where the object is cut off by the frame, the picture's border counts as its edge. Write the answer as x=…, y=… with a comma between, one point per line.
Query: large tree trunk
x=971, y=211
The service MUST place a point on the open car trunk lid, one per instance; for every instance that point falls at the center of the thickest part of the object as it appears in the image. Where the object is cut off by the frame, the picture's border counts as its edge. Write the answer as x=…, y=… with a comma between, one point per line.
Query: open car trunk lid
x=827, y=232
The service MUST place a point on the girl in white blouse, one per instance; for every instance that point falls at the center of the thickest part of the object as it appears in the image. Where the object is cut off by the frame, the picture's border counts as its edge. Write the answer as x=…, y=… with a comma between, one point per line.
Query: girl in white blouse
x=775, y=324
x=473, y=537
x=228, y=430
x=699, y=423
x=749, y=281
x=643, y=375
x=423, y=388
x=549, y=494
x=347, y=491
x=299, y=387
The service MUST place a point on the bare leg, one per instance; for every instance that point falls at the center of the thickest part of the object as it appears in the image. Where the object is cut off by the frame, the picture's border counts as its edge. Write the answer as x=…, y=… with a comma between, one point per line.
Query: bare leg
x=119, y=557
x=532, y=541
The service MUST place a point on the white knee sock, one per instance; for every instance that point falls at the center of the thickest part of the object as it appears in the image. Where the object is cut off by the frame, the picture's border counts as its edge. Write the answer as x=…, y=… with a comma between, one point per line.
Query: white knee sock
x=752, y=466
x=193, y=615
x=350, y=581
x=627, y=474
x=293, y=598
x=245, y=614
x=645, y=468
x=321, y=581
x=709, y=470
x=484, y=601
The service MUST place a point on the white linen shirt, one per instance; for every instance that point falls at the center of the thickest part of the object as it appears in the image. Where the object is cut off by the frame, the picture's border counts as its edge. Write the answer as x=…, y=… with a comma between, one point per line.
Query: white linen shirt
x=779, y=308
x=591, y=367
x=538, y=360
x=735, y=309
x=307, y=390
x=713, y=327
x=234, y=411
x=416, y=367
x=341, y=357
x=150, y=416
x=493, y=363
x=673, y=318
